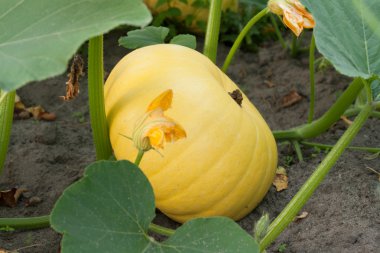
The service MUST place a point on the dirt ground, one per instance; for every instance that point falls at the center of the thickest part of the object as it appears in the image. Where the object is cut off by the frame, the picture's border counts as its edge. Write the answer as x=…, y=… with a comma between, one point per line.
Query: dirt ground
x=343, y=214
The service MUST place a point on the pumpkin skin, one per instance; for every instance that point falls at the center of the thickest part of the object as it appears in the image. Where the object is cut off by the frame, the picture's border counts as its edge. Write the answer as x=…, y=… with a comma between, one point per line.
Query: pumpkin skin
x=226, y=164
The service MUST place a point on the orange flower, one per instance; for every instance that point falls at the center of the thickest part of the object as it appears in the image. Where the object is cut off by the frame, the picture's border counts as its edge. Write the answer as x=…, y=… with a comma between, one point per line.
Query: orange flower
x=155, y=129
x=295, y=16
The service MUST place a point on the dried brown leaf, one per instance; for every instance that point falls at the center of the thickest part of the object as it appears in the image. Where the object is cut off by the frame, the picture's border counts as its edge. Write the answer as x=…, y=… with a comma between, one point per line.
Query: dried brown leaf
x=269, y=84
x=303, y=215
x=291, y=98
x=72, y=85
x=346, y=120
x=10, y=197
x=281, y=179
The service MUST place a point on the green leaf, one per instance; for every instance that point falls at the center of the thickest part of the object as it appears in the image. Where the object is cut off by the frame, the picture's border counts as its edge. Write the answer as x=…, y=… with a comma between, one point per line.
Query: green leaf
x=147, y=36
x=111, y=207
x=186, y=40
x=344, y=37
x=37, y=38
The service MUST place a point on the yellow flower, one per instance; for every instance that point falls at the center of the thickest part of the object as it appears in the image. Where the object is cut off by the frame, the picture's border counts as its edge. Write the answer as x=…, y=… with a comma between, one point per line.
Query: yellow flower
x=295, y=16
x=155, y=129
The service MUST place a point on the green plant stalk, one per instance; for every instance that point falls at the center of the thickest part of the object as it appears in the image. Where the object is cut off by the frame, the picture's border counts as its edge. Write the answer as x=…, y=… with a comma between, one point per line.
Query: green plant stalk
x=6, y=117
x=96, y=99
x=278, y=32
x=161, y=230
x=44, y=222
x=298, y=201
x=298, y=150
x=139, y=156
x=294, y=47
x=355, y=111
x=328, y=119
x=212, y=31
x=241, y=36
x=326, y=146
x=312, y=79
x=26, y=223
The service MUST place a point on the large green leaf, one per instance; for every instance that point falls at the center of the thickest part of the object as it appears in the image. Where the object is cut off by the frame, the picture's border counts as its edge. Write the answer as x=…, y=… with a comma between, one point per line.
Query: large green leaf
x=344, y=36
x=110, y=209
x=37, y=38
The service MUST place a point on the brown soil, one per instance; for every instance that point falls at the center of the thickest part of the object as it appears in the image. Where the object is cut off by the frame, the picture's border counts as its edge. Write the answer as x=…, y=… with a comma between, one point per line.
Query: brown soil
x=344, y=216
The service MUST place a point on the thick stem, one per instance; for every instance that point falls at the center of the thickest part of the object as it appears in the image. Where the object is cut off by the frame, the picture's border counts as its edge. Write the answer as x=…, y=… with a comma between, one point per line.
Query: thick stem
x=312, y=80
x=328, y=119
x=26, y=223
x=96, y=99
x=6, y=118
x=299, y=200
x=241, y=36
x=278, y=32
x=212, y=32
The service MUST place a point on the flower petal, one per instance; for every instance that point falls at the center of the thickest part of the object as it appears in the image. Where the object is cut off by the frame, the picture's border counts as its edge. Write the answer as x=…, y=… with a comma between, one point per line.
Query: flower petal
x=294, y=22
x=163, y=101
x=156, y=137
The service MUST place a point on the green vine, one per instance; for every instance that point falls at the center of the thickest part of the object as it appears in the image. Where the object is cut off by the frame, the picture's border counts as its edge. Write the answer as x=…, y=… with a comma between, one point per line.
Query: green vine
x=6, y=118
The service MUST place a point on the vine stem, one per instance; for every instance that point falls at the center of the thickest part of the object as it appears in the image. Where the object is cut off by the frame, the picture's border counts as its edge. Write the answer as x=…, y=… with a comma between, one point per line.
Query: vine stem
x=298, y=150
x=326, y=146
x=294, y=48
x=161, y=230
x=212, y=31
x=312, y=79
x=241, y=36
x=328, y=119
x=355, y=111
x=278, y=32
x=26, y=223
x=6, y=118
x=298, y=201
x=96, y=99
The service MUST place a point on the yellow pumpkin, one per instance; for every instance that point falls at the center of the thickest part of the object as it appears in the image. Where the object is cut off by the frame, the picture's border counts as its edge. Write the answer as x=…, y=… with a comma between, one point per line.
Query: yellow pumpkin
x=226, y=164
x=187, y=9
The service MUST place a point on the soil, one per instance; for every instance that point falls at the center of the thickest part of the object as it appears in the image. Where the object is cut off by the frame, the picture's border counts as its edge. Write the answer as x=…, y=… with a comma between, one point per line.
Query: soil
x=343, y=214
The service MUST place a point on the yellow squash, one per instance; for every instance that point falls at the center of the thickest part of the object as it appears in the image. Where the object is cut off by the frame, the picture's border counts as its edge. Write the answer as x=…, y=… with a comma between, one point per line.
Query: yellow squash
x=226, y=164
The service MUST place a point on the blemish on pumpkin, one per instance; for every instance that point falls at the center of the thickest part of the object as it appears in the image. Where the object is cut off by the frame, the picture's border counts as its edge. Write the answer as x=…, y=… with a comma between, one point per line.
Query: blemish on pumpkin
x=237, y=96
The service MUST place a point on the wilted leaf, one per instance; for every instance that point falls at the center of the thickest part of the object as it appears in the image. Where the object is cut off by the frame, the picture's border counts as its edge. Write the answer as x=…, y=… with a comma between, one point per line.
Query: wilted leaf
x=110, y=209
x=10, y=197
x=346, y=120
x=37, y=38
x=301, y=216
x=281, y=179
x=76, y=71
x=37, y=112
x=291, y=98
